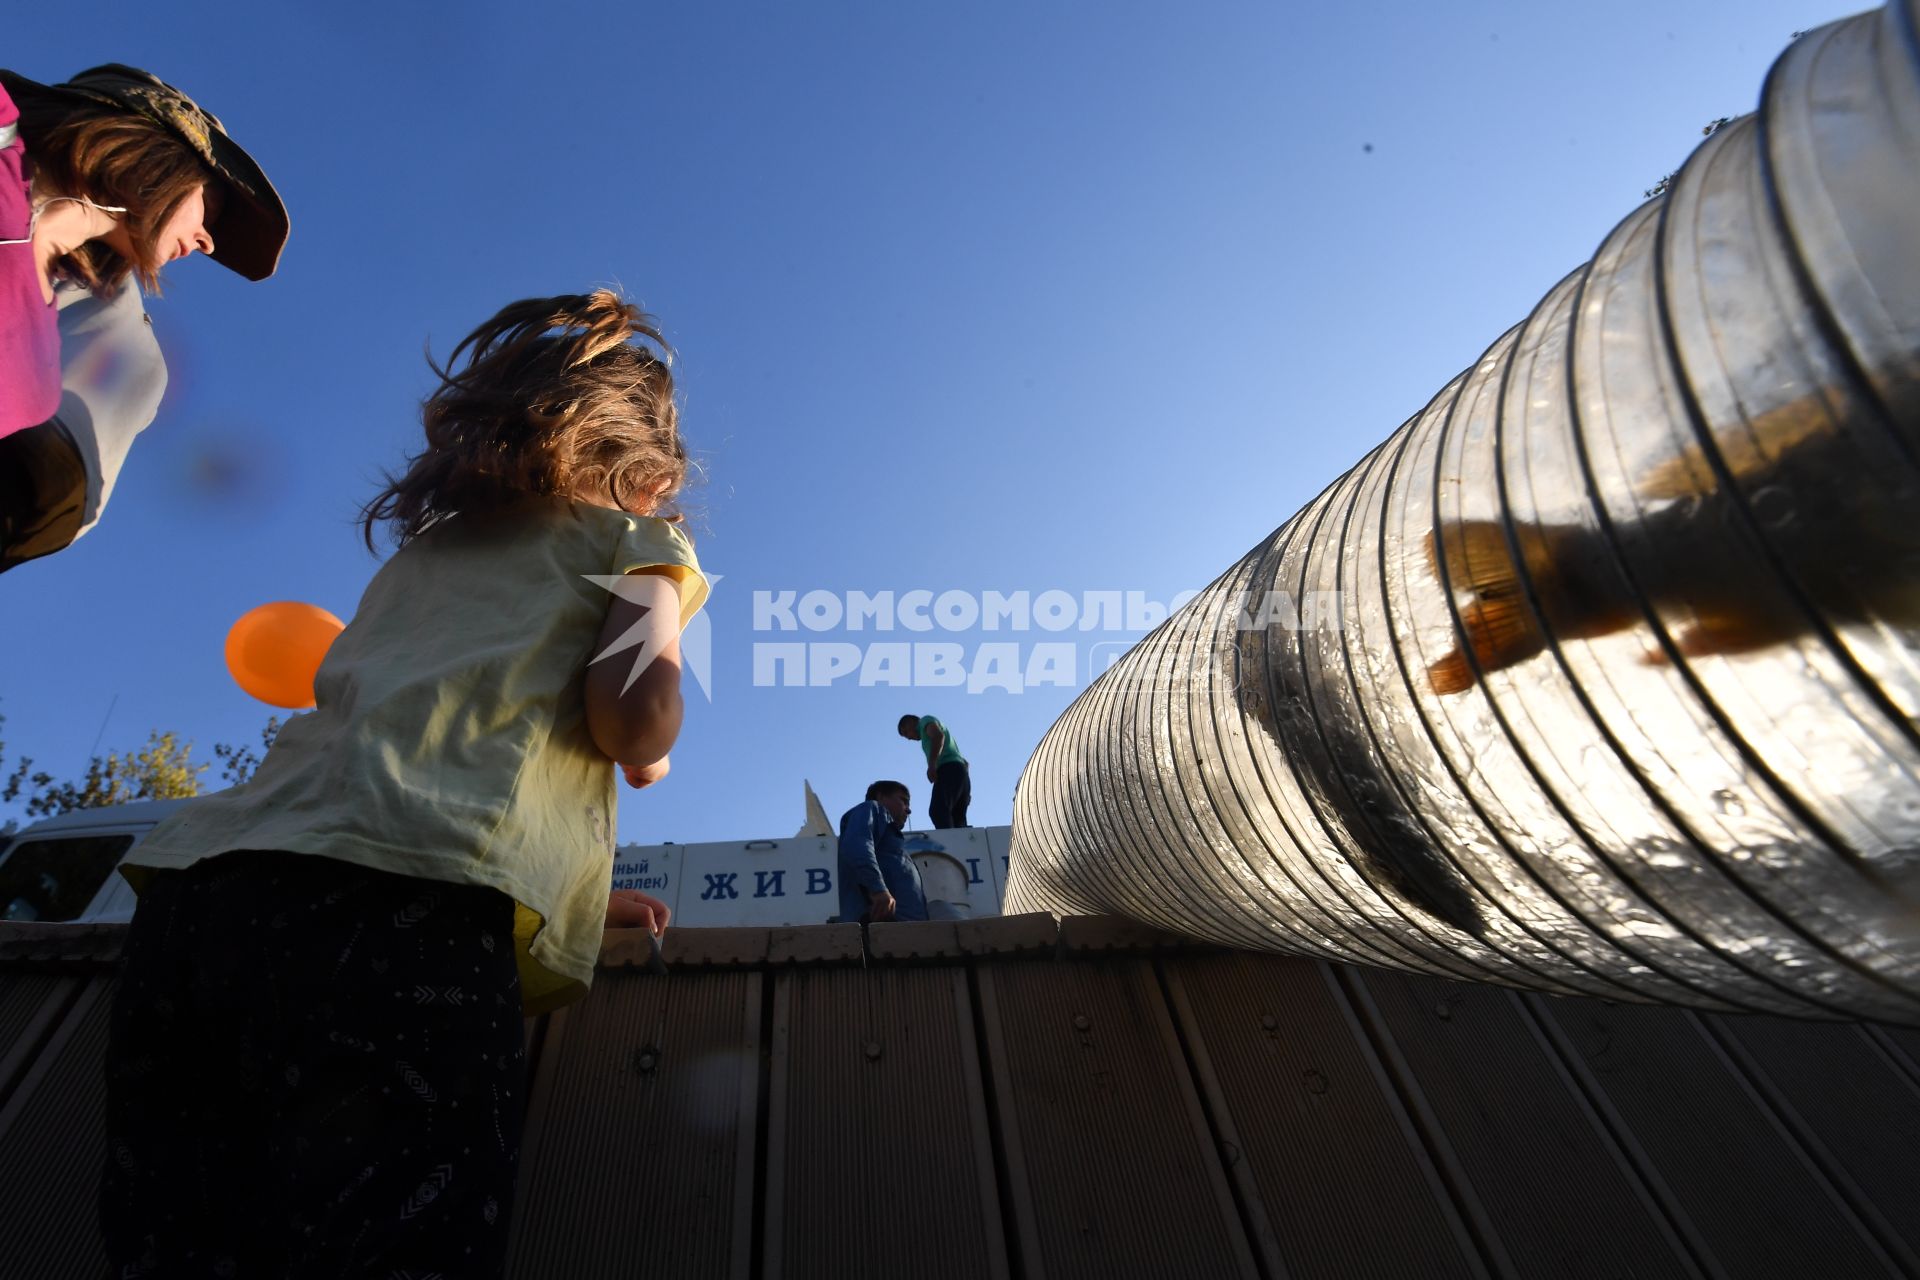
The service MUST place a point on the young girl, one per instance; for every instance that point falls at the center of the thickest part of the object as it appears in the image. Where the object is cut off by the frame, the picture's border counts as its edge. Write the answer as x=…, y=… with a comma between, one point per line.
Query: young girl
x=315, y=1066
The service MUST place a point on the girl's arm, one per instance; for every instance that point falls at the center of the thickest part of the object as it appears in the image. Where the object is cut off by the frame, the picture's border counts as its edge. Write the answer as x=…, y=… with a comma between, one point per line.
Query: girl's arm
x=645, y=775
x=633, y=681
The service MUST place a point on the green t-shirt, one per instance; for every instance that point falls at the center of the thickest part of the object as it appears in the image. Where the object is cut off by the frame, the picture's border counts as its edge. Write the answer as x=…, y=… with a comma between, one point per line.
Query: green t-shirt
x=949, y=749
x=450, y=740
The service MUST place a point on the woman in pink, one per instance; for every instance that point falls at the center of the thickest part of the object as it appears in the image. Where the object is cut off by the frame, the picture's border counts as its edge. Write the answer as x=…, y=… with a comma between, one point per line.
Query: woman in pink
x=108, y=176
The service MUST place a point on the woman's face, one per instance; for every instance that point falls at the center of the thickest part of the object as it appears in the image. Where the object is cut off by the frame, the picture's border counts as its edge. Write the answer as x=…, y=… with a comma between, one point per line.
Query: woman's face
x=185, y=233
x=181, y=235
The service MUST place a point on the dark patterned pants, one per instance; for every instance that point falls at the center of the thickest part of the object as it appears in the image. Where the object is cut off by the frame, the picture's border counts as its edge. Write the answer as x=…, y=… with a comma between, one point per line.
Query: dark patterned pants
x=314, y=1070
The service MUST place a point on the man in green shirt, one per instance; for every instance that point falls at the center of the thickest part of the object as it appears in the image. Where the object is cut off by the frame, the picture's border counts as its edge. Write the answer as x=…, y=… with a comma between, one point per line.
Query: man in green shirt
x=946, y=770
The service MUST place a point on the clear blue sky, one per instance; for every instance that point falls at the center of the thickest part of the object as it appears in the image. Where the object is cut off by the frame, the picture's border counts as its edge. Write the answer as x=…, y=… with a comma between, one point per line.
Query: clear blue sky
x=1009, y=297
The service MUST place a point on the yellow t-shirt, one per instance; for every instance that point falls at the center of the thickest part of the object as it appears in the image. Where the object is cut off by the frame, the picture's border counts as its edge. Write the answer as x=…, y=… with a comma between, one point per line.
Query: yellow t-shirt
x=450, y=737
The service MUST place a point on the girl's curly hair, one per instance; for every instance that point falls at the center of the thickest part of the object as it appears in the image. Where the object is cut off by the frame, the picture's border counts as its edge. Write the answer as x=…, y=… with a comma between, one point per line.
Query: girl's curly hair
x=555, y=398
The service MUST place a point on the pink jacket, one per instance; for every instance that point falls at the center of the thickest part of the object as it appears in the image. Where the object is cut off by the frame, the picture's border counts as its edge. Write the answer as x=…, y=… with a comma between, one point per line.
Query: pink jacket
x=29, y=325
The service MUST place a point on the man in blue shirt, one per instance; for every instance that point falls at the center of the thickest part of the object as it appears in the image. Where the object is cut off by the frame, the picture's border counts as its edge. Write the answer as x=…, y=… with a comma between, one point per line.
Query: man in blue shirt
x=878, y=882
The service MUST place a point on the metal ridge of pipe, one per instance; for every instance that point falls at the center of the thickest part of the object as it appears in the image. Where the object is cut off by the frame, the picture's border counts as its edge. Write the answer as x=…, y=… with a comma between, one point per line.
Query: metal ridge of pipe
x=1602, y=674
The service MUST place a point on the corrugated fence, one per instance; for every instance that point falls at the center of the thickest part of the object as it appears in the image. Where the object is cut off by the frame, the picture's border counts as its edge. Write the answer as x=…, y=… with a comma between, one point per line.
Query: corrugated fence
x=1021, y=1097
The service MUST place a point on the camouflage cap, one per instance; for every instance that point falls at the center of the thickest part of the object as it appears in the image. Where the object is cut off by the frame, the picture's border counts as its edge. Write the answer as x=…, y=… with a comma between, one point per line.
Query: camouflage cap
x=252, y=227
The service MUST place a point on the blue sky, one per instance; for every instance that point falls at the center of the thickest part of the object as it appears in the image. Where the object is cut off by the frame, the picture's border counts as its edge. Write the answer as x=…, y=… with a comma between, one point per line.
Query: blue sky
x=973, y=298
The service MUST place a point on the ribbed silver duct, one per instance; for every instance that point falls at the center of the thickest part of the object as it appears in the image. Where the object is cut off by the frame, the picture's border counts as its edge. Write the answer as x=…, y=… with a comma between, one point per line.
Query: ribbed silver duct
x=1600, y=675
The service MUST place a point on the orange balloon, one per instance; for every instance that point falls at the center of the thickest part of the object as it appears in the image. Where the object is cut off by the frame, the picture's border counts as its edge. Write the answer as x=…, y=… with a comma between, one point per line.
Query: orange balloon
x=274, y=651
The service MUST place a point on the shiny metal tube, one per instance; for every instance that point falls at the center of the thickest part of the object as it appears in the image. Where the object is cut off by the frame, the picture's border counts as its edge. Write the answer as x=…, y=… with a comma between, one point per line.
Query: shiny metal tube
x=1602, y=674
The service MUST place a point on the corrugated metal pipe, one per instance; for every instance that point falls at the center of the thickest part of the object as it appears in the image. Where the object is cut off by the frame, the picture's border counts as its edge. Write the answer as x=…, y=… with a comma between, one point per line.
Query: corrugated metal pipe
x=1600, y=675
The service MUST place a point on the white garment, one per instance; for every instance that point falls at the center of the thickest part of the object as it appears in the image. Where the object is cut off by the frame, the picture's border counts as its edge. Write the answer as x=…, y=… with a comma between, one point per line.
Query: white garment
x=111, y=379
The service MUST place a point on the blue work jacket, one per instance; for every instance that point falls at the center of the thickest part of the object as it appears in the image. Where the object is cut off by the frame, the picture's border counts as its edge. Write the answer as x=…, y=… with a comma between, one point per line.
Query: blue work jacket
x=872, y=856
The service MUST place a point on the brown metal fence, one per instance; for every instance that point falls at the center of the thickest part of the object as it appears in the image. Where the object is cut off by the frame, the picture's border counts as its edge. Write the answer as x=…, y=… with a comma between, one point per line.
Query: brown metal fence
x=1029, y=1098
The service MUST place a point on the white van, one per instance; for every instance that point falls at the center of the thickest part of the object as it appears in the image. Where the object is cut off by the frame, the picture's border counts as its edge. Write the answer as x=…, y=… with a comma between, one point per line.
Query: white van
x=60, y=870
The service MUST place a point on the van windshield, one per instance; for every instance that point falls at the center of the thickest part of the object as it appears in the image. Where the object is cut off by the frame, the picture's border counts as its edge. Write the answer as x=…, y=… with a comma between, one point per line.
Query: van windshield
x=54, y=880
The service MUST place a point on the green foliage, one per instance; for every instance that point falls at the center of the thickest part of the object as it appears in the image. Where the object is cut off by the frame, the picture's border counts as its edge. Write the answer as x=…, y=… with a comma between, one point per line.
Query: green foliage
x=10, y=826
x=162, y=770
x=237, y=764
